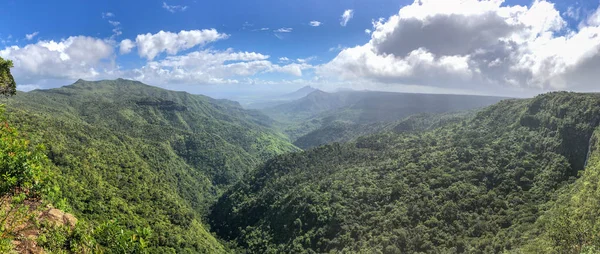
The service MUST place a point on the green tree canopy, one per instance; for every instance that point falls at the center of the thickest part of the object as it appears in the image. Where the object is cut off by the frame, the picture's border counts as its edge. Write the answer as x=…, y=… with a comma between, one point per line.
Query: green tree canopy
x=8, y=86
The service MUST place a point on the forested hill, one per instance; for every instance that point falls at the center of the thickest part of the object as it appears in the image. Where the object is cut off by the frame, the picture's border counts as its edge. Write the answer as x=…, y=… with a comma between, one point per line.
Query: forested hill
x=321, y=117
x=145, y=156
x=372, y=106
x=478, y=185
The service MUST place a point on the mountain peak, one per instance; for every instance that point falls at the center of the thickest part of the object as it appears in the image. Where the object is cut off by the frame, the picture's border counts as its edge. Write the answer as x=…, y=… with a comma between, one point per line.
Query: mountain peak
x=304, y=91
x=317, y=92
x=306, y=88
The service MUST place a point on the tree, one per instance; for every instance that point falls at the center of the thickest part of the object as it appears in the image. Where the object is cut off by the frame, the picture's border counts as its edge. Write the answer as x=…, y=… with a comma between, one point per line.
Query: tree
x=8, y=87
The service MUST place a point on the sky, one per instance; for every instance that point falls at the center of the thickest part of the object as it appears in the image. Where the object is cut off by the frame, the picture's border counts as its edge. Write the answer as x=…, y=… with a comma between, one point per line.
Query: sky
x=235, y=47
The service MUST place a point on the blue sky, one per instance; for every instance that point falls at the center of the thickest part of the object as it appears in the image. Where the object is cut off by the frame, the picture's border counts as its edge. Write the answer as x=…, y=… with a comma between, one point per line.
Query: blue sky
x=329, y=55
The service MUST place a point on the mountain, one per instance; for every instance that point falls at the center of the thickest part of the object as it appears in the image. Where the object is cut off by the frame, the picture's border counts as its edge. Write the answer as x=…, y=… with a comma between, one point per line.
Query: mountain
x=504, y=180
x=367, y=111
x=144, y=156
x=341, y=131
x=268, y=102
x=304, y=91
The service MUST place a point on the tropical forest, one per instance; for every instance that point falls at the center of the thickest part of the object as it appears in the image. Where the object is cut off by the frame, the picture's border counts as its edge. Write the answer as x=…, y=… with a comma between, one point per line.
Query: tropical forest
x=385, y=127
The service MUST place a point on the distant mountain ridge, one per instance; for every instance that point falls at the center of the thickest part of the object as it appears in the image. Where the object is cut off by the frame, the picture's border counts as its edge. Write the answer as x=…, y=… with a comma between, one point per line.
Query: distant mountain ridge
x=363, y=110
x=304, y=91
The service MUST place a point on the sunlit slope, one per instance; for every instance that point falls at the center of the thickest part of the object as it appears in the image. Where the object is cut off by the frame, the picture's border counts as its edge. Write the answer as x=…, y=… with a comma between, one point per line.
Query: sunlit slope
x=475, y=186
x=144, y=155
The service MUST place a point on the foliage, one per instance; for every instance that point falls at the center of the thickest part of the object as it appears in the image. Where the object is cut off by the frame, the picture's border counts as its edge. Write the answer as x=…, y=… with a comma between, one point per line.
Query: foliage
x=144, y=156
x=23, y=166
x=344, y=131
x=477, y=186
x=8, y=86
x=24, y=171
x=572, y=225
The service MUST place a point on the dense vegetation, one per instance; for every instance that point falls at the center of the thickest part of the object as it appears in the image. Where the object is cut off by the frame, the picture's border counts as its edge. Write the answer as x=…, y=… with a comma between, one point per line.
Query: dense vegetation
x=142, y=168
x=24, y=171
x=344, y=131
x=8, y=87
x=142, y=158
x=479, y=185
x=572, y=224
x=350, y=114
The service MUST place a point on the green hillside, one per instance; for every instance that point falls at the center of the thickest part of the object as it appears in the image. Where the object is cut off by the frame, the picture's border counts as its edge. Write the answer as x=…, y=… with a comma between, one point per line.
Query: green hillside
x=145, y=156
x=351, y=114
x=480, y=185
x=343, y=131
x=572, y=224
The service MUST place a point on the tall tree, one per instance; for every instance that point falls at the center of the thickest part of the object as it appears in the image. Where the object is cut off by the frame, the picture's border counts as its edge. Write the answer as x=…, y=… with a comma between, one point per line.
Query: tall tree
x=8, y=86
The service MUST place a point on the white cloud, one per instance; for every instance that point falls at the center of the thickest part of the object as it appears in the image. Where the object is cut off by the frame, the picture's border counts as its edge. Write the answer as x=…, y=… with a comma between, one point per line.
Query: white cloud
x=126, y=46
x=211, y=67
x=49, y=62
x=114, y=23
x=150, y=45
x=346, y=16
x=284, y=30
x=174, y=8
x=71, y=58
x=264, y=29
x=107, y=15
x=284, y=59
x=315, y=23
x=31, y=35
x=306, y=60
x=368, y=31
x=573, y=12
x=476, y=45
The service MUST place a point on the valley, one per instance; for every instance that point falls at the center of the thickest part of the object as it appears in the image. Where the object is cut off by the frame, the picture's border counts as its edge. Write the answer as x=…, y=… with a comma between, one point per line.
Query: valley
x=268, y=127
x=380, y=172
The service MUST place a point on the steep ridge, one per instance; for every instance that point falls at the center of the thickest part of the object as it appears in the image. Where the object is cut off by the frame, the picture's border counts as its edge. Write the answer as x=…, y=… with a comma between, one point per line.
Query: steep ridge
x=477, y=186
x=145, y=156
x=572, y=224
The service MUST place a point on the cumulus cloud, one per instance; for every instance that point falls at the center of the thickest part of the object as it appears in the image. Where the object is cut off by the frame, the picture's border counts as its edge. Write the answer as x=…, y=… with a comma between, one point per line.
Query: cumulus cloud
x=174, y=8
x=346, y=16
x=49, y=62
x=211, y=67
x=126, y=46
x=71, y=58
x=315, y=23
x=477, y=45
x=150, y=45
x=368, y=31
x=31, y=35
